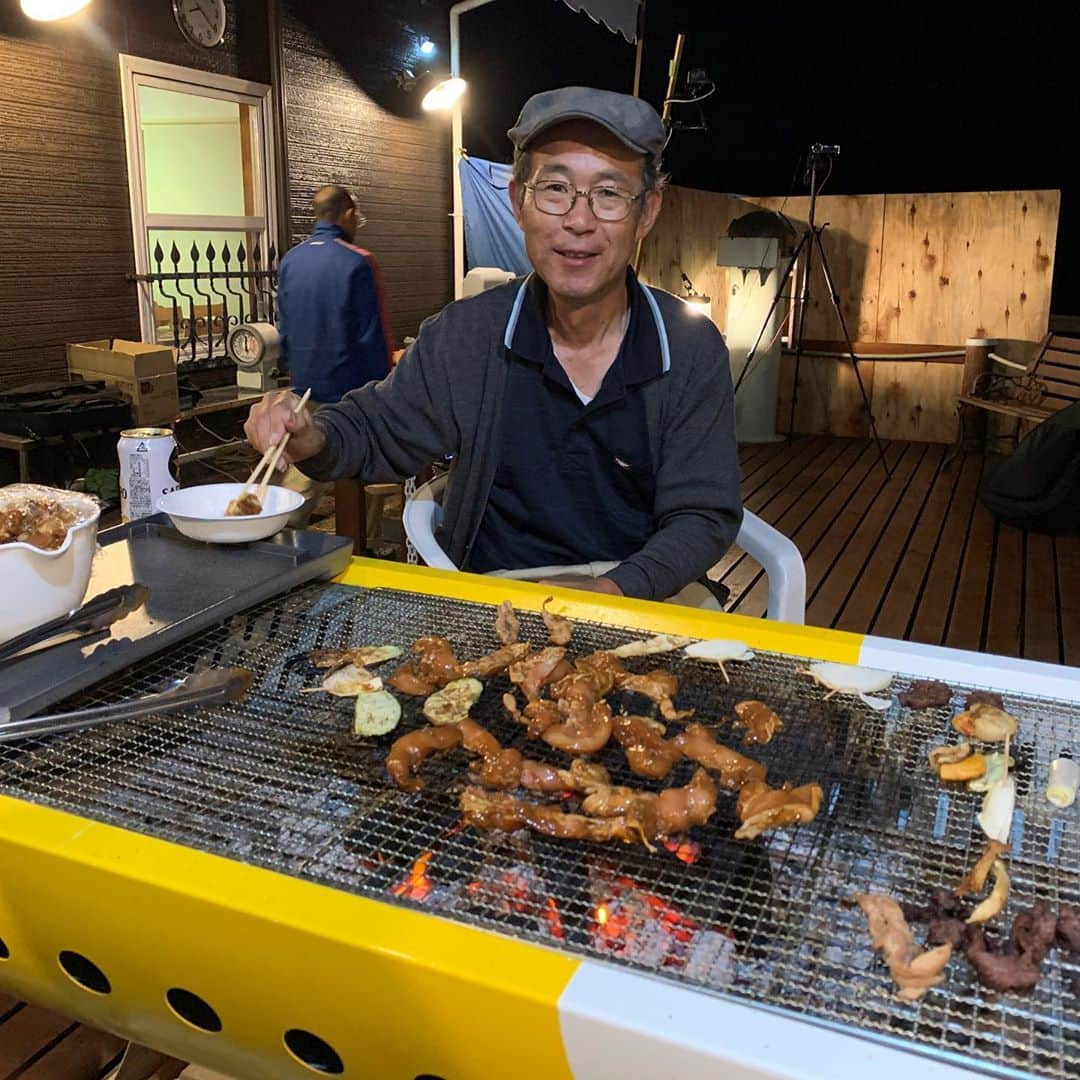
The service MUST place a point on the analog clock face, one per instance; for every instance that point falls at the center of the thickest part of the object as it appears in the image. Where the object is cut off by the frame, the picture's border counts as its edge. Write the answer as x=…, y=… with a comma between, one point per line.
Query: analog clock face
x=202, y=21
x=246, y=346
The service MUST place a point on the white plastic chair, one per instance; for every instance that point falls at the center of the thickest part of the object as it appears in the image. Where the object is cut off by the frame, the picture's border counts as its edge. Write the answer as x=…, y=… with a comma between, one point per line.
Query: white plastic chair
x=779, y=557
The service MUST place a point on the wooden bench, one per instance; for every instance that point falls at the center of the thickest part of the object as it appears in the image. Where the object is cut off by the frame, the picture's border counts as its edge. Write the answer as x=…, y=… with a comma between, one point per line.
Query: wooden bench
x=1049, y=384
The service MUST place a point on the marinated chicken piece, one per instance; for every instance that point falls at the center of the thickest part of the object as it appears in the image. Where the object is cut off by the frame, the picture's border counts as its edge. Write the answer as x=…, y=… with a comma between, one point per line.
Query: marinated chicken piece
x=648, y=753
x=503, y=813
x=497, y=662
x=913, y=972
x=245, y=505
x=534, y=672
x=603, y=669
x=975, y=878
x=559, y=629
x=507, y=627
x=658, y=686
x=411, y=750
x=735, y=769
x=670, y=812
x=585, y=728
x=759, y=722
x=508, y=769
x=761, y=808
x=435, y=666
x=925, y=694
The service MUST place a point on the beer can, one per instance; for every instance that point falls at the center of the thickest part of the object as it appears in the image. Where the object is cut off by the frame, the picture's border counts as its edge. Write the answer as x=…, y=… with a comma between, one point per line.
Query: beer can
x=147, y=469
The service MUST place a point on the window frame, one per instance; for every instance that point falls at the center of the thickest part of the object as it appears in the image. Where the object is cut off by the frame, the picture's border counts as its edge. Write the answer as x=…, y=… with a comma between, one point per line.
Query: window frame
x=136, y=71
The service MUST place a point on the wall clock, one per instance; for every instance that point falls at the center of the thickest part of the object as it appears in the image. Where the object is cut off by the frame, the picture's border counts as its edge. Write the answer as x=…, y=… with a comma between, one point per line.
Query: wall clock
x=202, y=21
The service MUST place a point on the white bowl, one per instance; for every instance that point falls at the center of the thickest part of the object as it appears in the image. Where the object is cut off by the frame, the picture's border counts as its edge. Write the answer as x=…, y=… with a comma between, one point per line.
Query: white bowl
x=42, y=585
x=199, y=512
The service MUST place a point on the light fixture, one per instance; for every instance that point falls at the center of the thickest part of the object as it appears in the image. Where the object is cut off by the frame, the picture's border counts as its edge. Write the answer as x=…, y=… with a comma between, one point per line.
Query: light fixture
x=443, y=95
x=437, y=93
x=50, y=10
x=427, y=47
x=697, y=302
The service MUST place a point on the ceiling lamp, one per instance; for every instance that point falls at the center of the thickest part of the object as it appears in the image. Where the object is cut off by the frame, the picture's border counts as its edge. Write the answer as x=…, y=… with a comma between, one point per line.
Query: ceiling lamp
x=51, y=10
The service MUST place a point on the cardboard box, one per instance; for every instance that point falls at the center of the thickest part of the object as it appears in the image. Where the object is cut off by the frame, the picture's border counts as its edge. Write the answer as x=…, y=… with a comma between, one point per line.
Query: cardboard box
x=155, y=401
x=125, y=359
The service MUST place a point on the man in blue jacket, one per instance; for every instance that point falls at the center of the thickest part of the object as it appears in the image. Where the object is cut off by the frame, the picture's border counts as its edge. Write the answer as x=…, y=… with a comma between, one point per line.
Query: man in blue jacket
x=335, y=332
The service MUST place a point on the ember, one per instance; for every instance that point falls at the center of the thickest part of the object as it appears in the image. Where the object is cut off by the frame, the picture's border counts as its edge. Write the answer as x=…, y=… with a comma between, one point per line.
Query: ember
x=417, y=886
x=687, y=852
x=551, y=912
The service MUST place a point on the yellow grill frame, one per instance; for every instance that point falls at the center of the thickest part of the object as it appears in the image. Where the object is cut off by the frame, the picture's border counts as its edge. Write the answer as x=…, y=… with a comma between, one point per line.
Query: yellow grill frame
x=397, y=993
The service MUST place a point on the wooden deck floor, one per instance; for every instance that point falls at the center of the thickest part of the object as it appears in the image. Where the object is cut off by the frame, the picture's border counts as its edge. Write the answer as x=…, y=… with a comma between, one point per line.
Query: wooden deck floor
x=913, y=556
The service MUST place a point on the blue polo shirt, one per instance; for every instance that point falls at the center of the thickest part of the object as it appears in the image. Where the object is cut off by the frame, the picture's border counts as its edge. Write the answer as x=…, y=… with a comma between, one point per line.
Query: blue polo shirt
x=574, y=482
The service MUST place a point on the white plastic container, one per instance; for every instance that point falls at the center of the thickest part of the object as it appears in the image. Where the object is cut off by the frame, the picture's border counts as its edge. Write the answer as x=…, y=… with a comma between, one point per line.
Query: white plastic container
x=37, y=585
x=199, y=512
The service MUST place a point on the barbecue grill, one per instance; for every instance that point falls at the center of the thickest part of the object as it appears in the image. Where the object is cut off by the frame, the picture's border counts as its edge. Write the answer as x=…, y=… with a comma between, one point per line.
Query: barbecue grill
x=243, y=887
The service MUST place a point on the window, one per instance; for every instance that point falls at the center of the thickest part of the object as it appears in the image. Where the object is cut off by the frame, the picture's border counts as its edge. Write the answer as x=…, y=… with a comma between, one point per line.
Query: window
x=200, y=171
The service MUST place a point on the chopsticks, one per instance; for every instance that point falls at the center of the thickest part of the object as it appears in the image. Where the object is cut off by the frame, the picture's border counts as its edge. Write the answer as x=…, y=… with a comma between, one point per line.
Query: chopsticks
x=270, y=458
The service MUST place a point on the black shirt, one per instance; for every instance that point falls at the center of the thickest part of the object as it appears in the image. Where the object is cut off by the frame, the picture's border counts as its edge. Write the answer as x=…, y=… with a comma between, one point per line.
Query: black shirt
x=574, y=482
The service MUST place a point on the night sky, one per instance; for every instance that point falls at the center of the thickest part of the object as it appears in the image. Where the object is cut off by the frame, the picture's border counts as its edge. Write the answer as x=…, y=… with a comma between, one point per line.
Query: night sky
x=917, y=102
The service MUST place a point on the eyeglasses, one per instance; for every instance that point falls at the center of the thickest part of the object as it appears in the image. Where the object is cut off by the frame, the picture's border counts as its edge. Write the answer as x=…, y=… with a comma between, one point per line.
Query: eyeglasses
x=557, y=198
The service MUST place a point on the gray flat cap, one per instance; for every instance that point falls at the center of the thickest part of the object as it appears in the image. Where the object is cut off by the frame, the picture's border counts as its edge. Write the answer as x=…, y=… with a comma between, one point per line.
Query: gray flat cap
x=631, y=120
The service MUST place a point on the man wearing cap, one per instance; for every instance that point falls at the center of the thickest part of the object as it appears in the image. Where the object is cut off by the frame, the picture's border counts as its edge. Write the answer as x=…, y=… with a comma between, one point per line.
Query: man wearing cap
x=590, y=417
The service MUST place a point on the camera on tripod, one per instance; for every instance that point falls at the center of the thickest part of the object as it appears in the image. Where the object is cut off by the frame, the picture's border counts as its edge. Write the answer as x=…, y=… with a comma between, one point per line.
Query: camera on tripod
x=822, y=150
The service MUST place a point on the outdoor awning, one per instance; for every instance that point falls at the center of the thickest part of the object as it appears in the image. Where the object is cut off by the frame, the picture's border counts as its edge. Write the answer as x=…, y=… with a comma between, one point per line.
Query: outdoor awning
x=619, y=16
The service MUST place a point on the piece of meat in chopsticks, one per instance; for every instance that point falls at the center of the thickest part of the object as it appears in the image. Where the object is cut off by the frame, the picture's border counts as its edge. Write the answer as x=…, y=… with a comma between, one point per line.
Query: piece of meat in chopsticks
x=434, y=665
x=648, y=753
x=913, y=971
x=761, y=808
x=735, y=769
x=559, y=628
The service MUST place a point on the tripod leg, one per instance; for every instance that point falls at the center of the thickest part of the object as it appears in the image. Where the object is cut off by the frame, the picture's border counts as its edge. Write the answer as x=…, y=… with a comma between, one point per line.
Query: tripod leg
x=781, y=285
x=834, y=296
x=804, y=299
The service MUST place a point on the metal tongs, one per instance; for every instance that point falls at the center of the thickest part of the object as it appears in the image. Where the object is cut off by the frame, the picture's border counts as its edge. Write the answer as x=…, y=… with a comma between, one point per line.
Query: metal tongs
x=212, y=687
x=93, y=617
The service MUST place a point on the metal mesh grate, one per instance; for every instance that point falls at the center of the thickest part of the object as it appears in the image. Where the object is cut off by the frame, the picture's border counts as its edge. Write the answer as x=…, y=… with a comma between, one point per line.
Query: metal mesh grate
x=279, y=781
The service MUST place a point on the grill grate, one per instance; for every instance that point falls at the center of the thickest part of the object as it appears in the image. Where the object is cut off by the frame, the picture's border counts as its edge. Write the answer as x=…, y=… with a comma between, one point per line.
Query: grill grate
x=278, y=781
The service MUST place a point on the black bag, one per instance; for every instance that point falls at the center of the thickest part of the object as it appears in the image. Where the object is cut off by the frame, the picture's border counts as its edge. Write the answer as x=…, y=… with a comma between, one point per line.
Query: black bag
x=1038, y=486
x=39, y=410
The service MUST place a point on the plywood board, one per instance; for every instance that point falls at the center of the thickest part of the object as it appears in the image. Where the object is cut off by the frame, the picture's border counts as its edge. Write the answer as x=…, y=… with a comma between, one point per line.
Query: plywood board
x=967, y=264
x=829, y=400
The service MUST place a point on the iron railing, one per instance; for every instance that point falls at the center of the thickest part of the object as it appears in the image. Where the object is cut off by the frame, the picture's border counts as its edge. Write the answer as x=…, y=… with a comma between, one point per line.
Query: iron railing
x=221, y=290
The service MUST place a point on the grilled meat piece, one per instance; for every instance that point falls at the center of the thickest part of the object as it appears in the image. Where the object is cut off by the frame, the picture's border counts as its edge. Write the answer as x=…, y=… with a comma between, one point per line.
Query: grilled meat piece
x=411, y=750
x=559, y=628
x=585, y=727
x=435, y=665
x=762, y=808
x=913, y=972
x=648, y=753
x=503, y=813
x=495, y=663
x=925, y=694
x=658, y=686
x=735, y=769
x=1068, y=929
x=507, y=627
x=759, y=722
x=1017, y=966
x=534, y=672
x=984, y=697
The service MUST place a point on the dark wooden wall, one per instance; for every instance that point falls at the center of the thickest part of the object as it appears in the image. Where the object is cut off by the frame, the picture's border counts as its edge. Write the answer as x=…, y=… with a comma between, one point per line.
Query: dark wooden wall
x=349, y=124
x=65, y=227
